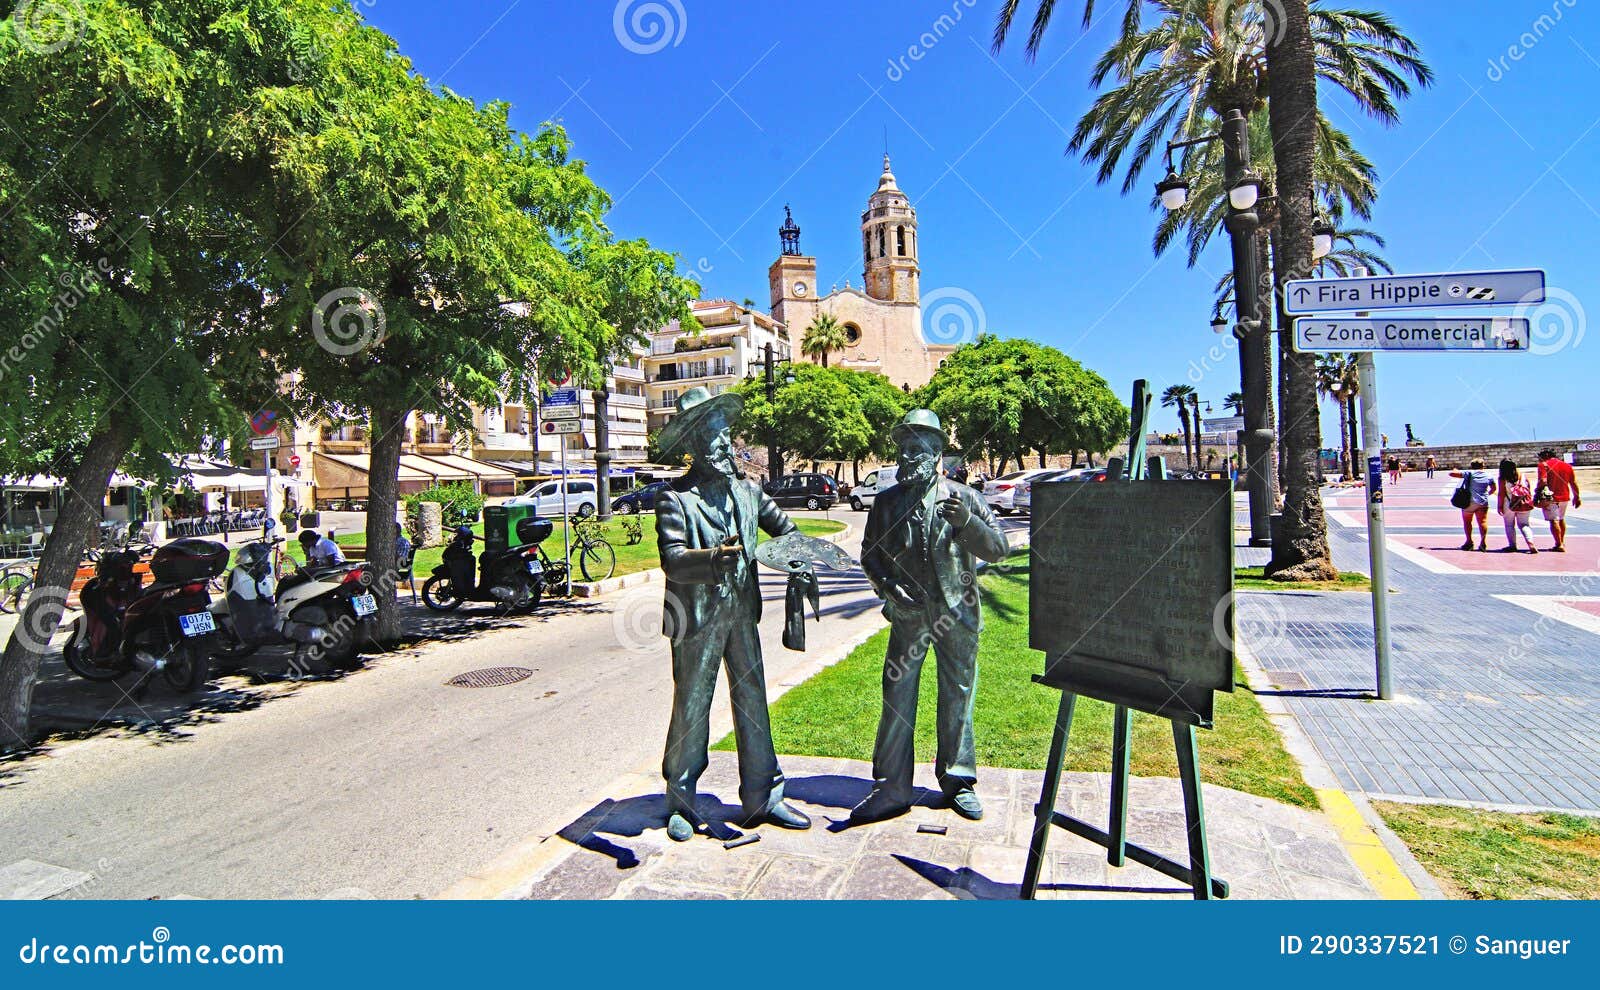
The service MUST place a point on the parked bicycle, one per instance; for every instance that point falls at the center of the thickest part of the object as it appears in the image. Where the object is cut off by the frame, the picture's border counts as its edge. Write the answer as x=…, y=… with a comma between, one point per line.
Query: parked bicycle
x=597, y=560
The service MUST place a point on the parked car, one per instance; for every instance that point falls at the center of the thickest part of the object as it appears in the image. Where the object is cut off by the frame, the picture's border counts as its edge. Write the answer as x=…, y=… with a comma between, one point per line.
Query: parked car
x=1093, y=474
x=546, y=498
x=1001, y=492
x=640, y=499
x=804, y=490
x=1022, y=494
x=861, y=496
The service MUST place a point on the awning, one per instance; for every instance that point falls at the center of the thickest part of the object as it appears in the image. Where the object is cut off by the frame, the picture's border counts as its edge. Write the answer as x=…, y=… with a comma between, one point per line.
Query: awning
x=472, y=466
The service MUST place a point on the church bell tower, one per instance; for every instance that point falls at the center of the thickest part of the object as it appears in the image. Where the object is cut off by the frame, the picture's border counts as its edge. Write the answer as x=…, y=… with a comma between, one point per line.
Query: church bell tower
x=792, y=280
x=889, y=243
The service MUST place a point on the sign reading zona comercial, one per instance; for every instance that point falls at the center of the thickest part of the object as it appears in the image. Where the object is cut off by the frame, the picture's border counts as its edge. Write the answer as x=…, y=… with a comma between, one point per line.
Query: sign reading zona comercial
x=1412, y=333
x=1369, y=292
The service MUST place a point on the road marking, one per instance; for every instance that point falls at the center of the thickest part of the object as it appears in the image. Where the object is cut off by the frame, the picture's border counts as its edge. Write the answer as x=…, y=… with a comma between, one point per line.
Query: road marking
x=1555, y=607
x=31, y=880
x=1365, y=848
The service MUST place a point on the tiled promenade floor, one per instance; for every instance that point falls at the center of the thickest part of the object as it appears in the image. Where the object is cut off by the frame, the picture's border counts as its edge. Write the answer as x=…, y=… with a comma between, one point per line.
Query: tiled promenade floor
x=1496, y=660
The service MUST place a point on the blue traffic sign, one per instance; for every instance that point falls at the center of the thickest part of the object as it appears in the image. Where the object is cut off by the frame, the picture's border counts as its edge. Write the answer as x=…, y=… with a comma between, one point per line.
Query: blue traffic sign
x=561, y=397
x=1370, y=292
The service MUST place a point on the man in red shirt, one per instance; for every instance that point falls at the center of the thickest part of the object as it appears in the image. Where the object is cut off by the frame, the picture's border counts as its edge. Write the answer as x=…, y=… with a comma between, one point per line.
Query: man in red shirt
x=1557, y=475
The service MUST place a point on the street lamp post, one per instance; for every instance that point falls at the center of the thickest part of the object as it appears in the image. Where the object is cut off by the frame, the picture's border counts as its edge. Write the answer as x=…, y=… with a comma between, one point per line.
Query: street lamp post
x=1244, y=190
x=769, y=365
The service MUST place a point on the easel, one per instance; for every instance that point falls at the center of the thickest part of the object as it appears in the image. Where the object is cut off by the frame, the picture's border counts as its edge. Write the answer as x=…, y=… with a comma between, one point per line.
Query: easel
x=1197, y=874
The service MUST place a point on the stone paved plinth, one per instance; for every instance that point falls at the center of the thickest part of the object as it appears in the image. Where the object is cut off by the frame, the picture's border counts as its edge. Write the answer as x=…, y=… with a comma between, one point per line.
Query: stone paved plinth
x=619, y=849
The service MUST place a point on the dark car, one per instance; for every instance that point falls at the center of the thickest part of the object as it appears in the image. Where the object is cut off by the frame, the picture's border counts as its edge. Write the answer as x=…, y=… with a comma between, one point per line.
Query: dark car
x=804, y=490
x=640, y=499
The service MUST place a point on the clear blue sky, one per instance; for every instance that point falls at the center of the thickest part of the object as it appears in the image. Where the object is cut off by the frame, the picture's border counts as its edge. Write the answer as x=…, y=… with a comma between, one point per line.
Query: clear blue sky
x=747, y=106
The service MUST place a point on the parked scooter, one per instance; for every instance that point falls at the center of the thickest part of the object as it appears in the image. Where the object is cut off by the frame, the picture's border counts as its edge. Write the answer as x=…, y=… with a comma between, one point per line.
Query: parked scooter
x=512, y=578
x=164, y=627
x=330, y=609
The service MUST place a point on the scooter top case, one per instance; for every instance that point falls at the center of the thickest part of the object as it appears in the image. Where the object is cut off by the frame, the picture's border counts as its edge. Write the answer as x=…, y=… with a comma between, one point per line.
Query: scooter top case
x=182, y=561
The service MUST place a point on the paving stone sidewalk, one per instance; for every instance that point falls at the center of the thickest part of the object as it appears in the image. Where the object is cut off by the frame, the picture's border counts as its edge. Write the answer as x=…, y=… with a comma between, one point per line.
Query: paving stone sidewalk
x=1496, y=704
x=619, y=848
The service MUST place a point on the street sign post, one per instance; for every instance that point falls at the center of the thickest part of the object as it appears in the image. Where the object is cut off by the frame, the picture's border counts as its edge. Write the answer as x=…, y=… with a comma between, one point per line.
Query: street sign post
x=266, y=443
x=558, y=427
x=1412, y=333
x=561, y=412
x=561, y=403
x=1371, y=292
x=1224, y=424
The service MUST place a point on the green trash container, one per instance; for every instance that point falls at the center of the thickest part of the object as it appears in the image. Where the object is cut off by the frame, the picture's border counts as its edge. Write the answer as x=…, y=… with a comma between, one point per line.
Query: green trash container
x=500, y=525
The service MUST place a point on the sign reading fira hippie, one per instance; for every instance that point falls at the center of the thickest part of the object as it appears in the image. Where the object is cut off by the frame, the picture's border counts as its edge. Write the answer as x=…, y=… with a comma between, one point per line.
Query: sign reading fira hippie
x=1369, y=292
x=1415, y=333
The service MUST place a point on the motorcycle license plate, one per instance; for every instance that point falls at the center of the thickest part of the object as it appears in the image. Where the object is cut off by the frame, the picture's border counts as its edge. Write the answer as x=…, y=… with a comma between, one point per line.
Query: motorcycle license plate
x=196, y=624
x=364, y=605
x=534, y=567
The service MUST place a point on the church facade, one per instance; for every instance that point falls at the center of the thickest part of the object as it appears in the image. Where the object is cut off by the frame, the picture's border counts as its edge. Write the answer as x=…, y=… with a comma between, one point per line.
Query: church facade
x=883, y=319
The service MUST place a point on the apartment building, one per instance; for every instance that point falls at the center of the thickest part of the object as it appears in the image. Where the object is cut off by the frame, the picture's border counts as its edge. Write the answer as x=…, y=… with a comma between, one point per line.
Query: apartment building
x=732, y=340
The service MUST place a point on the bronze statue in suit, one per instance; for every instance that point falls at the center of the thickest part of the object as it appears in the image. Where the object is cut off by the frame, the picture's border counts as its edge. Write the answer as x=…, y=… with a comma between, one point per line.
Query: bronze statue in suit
x=707, y=527
x=923, y=538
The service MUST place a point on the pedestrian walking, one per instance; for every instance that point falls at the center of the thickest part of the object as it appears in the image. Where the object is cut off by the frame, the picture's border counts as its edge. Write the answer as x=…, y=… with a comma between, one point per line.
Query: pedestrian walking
x=1478, y=486
x=1394, y=470
x=1514, y=502
x=1430, y=466
x=1557, y=485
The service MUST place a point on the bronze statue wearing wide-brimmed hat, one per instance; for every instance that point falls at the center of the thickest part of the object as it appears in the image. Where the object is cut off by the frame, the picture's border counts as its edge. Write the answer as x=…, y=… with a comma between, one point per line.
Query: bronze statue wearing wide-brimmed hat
x=924, y=535
x=707, y=526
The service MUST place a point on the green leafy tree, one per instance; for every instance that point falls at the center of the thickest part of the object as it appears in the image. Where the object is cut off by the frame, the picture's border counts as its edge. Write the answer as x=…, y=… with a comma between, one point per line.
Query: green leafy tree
x=883, y=405
x=1007, y=398
x=824, y=335
x=818, y=416
x=136, y=182
x=432, y=269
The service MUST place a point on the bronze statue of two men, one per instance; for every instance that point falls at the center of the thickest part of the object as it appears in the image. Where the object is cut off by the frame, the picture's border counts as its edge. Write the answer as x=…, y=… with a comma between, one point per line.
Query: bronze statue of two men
x=923, y=537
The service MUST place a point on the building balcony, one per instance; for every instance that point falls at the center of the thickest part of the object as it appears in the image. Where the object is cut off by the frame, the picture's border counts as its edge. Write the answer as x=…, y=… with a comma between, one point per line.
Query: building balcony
x=629, y=401
x=622, y=374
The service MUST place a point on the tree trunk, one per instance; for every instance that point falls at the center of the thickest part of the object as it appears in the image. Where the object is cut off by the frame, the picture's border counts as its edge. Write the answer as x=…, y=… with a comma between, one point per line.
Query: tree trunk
x=855, y=470
x=41, y=617
x=1302, y=554
x=383, y=491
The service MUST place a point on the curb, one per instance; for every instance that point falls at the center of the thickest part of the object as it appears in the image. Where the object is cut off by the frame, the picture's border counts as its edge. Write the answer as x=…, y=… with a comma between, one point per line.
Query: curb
x=1380, y=855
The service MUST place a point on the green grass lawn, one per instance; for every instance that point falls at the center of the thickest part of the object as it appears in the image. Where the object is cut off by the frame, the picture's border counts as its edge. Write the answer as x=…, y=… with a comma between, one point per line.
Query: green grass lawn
x=640, y=556
x=836, y=712
x=1254, y=579
x=1489, y=855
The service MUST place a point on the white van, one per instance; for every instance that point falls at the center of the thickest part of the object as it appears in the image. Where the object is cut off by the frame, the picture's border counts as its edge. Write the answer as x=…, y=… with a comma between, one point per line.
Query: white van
x=861, y=496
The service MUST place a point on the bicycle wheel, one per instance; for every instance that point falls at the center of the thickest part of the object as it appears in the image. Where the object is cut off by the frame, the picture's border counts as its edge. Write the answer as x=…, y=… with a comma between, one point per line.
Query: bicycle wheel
x=597, y=560
x=14, y=584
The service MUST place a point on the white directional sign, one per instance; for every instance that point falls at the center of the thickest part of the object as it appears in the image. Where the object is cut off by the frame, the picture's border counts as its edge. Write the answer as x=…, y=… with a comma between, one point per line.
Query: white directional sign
x=560, y=412
x=1223, y=425
x=1369, y=292
x=1412, y=333
x=556, y=427
x=266, y=443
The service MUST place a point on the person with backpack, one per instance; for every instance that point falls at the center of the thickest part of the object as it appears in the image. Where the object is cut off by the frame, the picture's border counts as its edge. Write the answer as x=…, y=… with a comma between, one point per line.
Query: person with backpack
x=1472, y=498
x=1514, y=503
x=1556, y=486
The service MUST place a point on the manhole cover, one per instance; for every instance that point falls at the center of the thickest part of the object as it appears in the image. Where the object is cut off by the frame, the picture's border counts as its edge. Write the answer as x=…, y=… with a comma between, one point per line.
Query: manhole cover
x=1289, y=680
x=490, y=677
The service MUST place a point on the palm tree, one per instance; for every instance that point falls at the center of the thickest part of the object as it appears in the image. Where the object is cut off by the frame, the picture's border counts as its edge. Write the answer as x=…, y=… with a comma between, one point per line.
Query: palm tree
x=1234, y=401
x=1178, y=395
x=1337, y=379
x=1202, y=58
x=823, y=335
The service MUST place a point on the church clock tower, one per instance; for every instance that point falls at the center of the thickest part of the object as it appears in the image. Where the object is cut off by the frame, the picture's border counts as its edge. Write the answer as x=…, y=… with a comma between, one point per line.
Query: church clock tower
x=889, y=243
x=792, y=281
